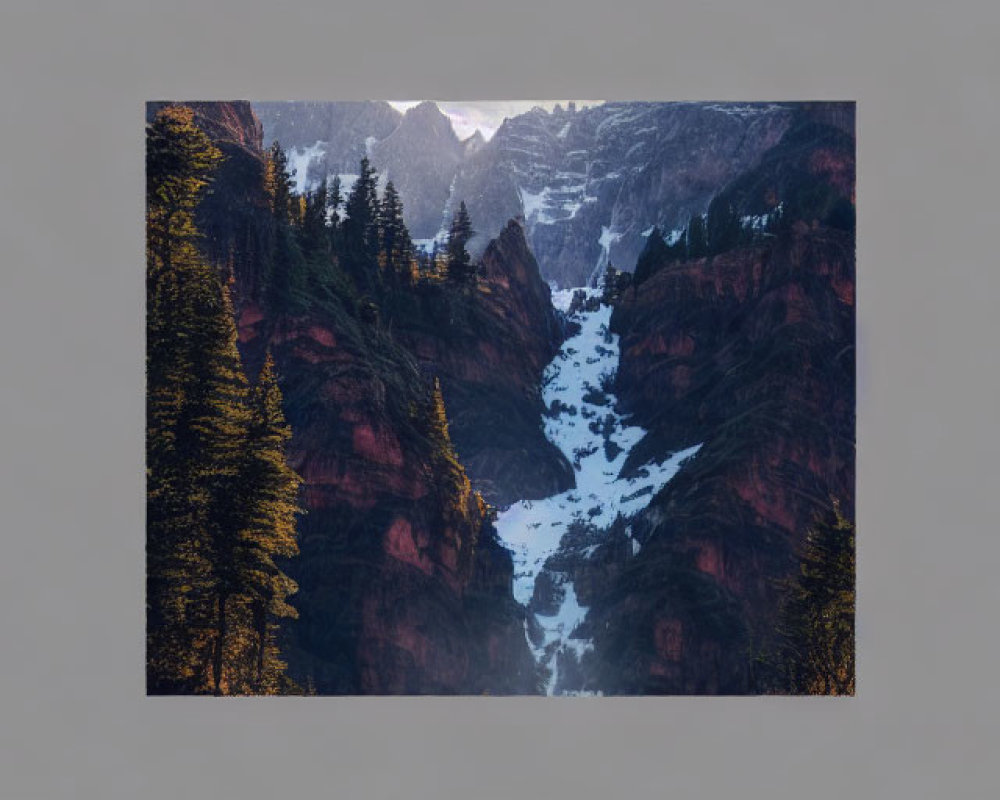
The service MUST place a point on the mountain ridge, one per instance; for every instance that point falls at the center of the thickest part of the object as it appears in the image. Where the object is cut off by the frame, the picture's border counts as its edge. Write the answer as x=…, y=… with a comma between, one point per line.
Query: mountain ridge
x=616, y=168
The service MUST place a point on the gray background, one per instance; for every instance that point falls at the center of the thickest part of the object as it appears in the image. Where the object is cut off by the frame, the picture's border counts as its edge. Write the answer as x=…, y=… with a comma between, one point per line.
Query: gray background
x=73, y=719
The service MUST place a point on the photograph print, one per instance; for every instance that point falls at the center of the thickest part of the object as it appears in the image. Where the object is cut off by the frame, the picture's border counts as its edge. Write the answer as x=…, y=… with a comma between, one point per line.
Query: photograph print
x=500, y=398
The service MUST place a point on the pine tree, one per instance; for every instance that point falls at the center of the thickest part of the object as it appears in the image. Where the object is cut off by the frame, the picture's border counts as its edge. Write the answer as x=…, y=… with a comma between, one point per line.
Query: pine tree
x=278, y=182
x=298, y=210
x=220, y=417
x=360, y=228
x=180, y=161
x=333, y=203
x=268, y=494
x=817, y=627
x=220, y=499
x=447, y=467
x=396, y=246
x=196, y=409
x=460, y=267
x=432, y=260
x=314, y=238
x=287, y=282
x=334, y=197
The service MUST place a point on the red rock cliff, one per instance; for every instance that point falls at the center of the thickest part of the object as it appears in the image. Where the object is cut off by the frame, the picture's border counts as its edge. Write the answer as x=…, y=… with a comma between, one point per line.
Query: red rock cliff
x=751, y=353
x=489, y=346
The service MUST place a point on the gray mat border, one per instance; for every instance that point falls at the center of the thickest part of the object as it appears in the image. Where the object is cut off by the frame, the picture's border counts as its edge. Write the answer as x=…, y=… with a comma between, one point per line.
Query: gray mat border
x=73, y=719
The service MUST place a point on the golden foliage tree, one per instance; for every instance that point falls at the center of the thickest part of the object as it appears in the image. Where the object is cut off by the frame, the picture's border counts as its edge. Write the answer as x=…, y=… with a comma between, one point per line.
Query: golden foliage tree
x=182, y=297
x=271, y=490
x=204, y=433
x=817, y=656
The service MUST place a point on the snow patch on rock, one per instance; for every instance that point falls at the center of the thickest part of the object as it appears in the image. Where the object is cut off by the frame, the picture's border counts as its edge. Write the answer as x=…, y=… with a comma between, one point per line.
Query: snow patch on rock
x=299, y=160
x=583, y=424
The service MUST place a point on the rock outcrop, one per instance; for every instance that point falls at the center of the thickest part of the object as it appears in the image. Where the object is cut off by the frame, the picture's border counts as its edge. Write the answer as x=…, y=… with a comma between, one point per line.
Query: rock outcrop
x=751, y=353
x=421, y=157
x=403, y=587
x=233, y=123
x=345, y=128
x=489, y=346
x=592, y=183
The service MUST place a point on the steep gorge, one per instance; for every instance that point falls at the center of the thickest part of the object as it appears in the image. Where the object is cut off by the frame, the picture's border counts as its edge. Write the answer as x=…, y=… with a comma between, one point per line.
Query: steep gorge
x=738, y=368
x=729, y=395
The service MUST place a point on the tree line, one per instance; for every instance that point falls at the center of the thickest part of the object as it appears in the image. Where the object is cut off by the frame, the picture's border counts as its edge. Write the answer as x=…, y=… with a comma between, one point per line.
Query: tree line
x=720, y=229
x=323, y=237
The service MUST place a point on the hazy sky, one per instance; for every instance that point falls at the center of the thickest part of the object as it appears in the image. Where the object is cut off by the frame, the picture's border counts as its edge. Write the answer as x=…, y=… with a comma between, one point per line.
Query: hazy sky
x=486, y=116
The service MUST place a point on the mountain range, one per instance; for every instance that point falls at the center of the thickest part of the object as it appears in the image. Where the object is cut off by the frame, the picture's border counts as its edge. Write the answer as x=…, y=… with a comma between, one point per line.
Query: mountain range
x=590, y=184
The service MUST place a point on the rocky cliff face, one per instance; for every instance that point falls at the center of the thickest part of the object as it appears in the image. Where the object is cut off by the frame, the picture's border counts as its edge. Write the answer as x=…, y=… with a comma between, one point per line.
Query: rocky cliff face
x=489, y=347
x=346, y=129
x=590, y=184
x=403, y=586
x=751, y=353
x=226, y=123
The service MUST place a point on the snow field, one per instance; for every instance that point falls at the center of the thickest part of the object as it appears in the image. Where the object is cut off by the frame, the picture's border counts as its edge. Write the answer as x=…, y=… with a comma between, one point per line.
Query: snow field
x=596, y=440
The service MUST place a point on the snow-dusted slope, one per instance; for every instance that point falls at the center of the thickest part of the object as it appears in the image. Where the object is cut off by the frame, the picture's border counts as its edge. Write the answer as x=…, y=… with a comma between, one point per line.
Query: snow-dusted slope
x=596, y=440
x=588, y=182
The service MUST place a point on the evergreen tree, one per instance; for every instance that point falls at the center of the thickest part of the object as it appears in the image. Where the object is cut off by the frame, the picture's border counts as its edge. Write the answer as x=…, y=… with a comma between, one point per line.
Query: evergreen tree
x=287, y=281
x=219, y=505
x=462, y=508
x=196, y=409
x=333, y=203
x=333, y=197
x=432, y=260
x=268, y=494
x=678, y=250
x=817, y=629
x=360, y=228
x=298, y=210
x=314, y=238
x=456, y=484
x=396, y=247
x=278, y=182
x=221, y=417
x=180, y=161
x=460, y=266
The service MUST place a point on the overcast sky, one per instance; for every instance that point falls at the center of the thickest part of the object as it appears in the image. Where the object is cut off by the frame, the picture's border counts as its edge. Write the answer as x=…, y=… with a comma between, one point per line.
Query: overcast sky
x=466, y=117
